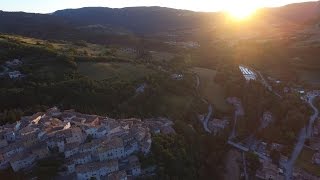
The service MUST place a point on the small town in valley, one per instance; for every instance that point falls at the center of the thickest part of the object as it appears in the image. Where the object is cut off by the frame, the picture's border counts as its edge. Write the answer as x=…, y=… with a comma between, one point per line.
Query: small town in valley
x=91, y=145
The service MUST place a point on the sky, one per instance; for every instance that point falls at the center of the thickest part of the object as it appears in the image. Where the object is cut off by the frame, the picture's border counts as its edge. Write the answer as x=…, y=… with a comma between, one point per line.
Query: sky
x=48, y=6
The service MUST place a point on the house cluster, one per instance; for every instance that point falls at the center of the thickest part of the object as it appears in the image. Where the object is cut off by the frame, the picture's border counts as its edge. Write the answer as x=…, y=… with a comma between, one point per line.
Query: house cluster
x=186, y=45
x=299, y=173
x=266, y=119
x=236, y=102
x=177, y=77
x=92, y=146
x=269, y=171
x=10, y=69
x=141, y=88
x=217, y=126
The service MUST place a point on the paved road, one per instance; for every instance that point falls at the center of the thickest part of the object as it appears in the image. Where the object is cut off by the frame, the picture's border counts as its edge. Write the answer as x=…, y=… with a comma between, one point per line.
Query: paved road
x=205, y=122
x=210, y=109
x=198, y=82
x=238, y=146
x=235, y=119
x=304, y=134
x=313, y=117
x=245, y=166
x=288, y=166
x=267, y=85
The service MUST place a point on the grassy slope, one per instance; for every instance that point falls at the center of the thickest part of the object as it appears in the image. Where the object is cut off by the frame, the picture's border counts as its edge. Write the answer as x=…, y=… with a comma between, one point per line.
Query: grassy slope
x=305, y=162
x=92, y=50
x=172, y=99
x=212, y=91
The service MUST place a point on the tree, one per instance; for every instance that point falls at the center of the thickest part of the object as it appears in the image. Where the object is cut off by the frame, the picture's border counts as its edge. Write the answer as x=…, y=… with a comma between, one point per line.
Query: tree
x=275, y=156
x=253, y=163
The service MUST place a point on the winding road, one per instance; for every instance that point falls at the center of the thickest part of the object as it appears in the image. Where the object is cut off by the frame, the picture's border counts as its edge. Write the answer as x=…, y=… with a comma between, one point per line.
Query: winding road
x=233, y=133
x=205, y=122
x=266, y=84
x=210, y=108
x=304, y=134
x=313, y=117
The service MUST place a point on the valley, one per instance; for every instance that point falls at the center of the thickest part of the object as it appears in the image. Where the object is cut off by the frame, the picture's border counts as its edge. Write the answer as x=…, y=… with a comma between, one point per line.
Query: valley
x=211, y=94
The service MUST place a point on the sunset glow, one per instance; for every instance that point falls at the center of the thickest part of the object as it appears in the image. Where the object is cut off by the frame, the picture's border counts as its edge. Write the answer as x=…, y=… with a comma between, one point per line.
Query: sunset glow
x=240, y=13
x=240, y=10
x=237, y=8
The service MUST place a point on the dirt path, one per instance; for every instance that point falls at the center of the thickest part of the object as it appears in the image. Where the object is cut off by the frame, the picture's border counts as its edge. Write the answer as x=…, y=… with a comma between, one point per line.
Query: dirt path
x=232, y=166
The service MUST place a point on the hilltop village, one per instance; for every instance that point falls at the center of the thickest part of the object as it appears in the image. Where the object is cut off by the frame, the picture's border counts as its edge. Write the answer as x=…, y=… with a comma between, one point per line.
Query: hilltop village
x=92, y=146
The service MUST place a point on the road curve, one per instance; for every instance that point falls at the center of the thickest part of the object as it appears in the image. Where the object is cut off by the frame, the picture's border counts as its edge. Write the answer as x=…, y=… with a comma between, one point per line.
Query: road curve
x=210, y=108
x=313, y=117
x=304, y=134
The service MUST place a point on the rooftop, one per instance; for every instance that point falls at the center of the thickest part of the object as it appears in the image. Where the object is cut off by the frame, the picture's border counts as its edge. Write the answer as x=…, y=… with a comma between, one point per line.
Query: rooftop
x=95, y=166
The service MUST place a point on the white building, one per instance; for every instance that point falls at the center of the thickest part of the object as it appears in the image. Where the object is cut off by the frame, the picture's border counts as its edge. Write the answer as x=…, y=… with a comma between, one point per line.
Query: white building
x=90, y=147
x=82, y=158
x=75, y=135
x=119, y=175
x=134, y=166
x=91, y=131
x=10, y=150
x=146, y=146
x=15, y=62
x=15, y=74
x=96, y=169
x=3, y=143
x=71, y=149
x=56, y=142
x=131, y=148
x=101, y=132
x=113, y=149
x=10, y=136
x=22, y=160
x=217, y=125
x=71, y=166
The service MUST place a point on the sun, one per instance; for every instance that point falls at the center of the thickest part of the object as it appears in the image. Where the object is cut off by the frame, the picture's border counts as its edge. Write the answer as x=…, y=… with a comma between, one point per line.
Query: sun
x=241, y=12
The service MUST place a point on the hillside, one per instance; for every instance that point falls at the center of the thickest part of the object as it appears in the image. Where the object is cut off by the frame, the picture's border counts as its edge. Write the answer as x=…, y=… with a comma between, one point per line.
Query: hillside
x=60, y=73
x=140, y=20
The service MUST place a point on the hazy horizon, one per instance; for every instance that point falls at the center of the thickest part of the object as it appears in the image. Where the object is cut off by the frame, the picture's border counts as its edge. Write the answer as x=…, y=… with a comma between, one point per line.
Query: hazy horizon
x=39, y=6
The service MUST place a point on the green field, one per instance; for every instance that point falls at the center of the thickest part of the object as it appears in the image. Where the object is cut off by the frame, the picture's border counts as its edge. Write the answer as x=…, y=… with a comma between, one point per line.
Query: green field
x=100, y=71
x=77, y=49
x=304, y=161
x=210, y=90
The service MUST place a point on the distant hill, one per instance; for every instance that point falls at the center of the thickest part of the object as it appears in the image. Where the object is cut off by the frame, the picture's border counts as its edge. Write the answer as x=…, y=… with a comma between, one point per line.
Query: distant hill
x=40, y=25
x=297, y=13
x=139, y=20
x=96, y=23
